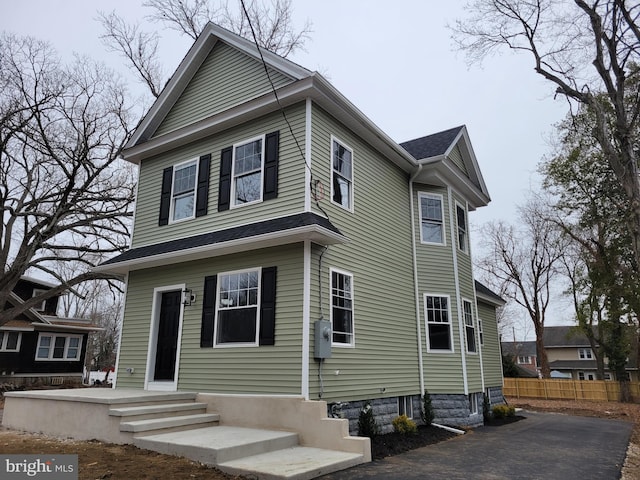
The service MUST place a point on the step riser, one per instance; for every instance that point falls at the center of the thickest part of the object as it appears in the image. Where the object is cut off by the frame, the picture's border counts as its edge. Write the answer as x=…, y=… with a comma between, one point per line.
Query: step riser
x=183, y=428
x=161, y=415
x=130, y=412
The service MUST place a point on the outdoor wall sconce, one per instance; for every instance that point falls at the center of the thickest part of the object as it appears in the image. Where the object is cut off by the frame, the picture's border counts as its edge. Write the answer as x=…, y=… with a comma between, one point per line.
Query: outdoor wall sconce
x=188, y=297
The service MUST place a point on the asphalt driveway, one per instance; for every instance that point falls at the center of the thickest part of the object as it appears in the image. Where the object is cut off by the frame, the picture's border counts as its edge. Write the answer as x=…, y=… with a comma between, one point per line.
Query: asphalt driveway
x=543, y=446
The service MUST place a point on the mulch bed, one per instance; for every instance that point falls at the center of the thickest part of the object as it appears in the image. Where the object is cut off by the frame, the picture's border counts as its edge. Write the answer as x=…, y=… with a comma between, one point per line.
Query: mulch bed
x=394, y=443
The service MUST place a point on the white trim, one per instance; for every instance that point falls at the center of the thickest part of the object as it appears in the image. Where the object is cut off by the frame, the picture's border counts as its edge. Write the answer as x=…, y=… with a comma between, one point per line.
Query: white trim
x=307, y=153
x=416, y=283
x=232, y=203
x=256, y=342
x=178, y=166
x=5, y=338
x=306, y=320
x=43, y=305
x=426, y=322
x=114, y=380
x=352, y=344
x=436, y=196
x=149, y=383
x=456, y=276
x=335, y=139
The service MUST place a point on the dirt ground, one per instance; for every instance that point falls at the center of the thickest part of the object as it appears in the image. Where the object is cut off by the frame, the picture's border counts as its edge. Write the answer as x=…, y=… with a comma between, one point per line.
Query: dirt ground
x=98, y=460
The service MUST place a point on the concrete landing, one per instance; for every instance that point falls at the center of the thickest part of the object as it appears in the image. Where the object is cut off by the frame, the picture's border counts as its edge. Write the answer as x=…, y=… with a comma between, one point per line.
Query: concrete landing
x=296, y=463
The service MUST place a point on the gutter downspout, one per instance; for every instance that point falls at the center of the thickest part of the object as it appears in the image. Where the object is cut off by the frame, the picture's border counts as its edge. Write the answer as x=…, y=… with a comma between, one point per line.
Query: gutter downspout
x=415, y=276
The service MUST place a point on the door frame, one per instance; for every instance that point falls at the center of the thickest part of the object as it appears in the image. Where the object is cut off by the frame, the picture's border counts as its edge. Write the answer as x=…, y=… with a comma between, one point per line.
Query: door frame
x=149, y=383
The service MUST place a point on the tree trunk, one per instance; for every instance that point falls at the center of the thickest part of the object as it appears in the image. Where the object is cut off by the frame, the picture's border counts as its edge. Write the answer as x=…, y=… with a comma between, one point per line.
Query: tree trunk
x=543, y=361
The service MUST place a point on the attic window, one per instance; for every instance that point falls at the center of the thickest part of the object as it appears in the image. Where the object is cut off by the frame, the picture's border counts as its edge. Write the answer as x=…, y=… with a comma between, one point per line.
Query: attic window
x=42, y=305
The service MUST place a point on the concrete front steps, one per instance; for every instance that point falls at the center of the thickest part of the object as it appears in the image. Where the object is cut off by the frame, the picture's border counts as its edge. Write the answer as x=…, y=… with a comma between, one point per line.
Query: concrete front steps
x=182, y=427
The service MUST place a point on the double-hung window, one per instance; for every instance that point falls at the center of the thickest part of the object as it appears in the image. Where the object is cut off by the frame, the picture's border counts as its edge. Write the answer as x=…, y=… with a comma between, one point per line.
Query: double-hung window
x=438, y=319
x=247, y=172
x=10, y=341
x=342, y=307
x=341, y=174
x=469, y=328
x=184, y=190
x=461, y=218
x=58, y=347
x=238, y=315
x=431, y=218
x=524, y=360
x=585, y=354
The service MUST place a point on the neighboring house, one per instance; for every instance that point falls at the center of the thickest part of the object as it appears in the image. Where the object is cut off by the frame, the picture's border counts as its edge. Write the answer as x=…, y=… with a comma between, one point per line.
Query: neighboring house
x=39, y=346
x=288, y=246
x=524, y=356
x=569, y=352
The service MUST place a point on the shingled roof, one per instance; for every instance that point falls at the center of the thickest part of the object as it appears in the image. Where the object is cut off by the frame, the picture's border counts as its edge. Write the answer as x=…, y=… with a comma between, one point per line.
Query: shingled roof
x=432, y=145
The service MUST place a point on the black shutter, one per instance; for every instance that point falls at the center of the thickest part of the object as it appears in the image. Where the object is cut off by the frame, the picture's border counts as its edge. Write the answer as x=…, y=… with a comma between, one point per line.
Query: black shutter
x=272, y=151
x=165, y=196
x=224, y=192
x=208, y=311
x=202, y=192
x=268, y=307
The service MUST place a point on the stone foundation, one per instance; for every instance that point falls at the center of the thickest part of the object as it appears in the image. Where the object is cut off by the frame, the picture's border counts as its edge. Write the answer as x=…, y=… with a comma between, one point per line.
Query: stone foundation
x=449, y=409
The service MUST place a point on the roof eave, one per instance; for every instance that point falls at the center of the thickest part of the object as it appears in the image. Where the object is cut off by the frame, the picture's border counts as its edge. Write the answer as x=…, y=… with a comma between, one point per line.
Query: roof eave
x=315, y=233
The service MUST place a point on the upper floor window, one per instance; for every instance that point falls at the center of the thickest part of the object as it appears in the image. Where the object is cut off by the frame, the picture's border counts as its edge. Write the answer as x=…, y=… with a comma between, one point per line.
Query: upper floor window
x=439, y=333
x=342, y=307
x=431, y=218
x=184, y=190
x=341, y=174
x=585, y=354
x=469, y=328
x=10, y=341
x=480, y=331
x=58, y=347
x=524, y=359
x=247, y=172
x=461, y=217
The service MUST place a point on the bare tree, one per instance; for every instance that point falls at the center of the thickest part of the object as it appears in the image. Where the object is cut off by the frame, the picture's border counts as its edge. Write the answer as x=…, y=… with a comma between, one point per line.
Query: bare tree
x=590, y=52
x=272, y=23
x=65, y=196
x=524, y=263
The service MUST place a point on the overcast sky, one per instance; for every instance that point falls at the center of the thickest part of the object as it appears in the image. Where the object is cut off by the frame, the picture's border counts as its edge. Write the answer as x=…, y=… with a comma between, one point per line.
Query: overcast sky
x=394, y=60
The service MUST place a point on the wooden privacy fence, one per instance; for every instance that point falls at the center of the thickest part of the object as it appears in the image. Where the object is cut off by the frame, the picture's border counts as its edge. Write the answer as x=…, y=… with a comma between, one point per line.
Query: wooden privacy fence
x=561, y=389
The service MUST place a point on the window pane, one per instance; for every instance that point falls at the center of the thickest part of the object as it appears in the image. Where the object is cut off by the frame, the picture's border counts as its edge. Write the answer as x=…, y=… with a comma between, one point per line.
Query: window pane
x=431, y=232
x=431, y=208
x=248, y=188
x=341, y=190
x=439, y=337
x=43, y=349
x=184, y=179
x=237, y=325
x=183, y=207
x=12, y=341
x=342, y=308
x=58, y=348
x=342, y=160
x=471, y=339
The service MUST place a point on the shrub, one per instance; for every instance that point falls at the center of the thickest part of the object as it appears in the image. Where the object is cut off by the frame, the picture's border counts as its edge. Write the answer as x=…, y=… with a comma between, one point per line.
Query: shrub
x=426, y=412
x=404, y=425
x=367, y=426
x=502, y=411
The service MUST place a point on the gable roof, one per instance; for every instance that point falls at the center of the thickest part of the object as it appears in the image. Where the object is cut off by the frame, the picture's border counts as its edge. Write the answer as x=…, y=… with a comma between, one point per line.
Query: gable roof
x=432, y=145
x=527, y=348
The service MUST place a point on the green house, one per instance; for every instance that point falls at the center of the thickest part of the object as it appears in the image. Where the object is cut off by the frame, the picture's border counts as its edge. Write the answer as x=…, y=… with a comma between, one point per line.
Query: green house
x=284, y=245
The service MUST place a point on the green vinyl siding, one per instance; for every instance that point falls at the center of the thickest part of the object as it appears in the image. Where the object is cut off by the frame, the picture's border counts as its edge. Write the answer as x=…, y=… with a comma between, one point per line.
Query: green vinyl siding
x=261, y=369
x=226, y=78
x=384, y=360
x=456, y=157
x=290, y=182
x=491, y=355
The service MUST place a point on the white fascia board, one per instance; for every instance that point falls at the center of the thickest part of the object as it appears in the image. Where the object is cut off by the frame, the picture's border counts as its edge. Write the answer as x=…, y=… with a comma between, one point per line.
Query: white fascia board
x=16, y=329
x=439, y=171
x=490, y=300
x=65, y=328
x=314, y=233
x=469, y=158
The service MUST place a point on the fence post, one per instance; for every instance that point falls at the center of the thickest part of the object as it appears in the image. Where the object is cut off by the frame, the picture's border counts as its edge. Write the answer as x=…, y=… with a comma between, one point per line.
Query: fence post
x=546, y=395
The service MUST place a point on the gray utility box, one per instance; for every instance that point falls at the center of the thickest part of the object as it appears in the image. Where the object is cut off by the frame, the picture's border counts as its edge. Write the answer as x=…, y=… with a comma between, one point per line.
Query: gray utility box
x=322, y=339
